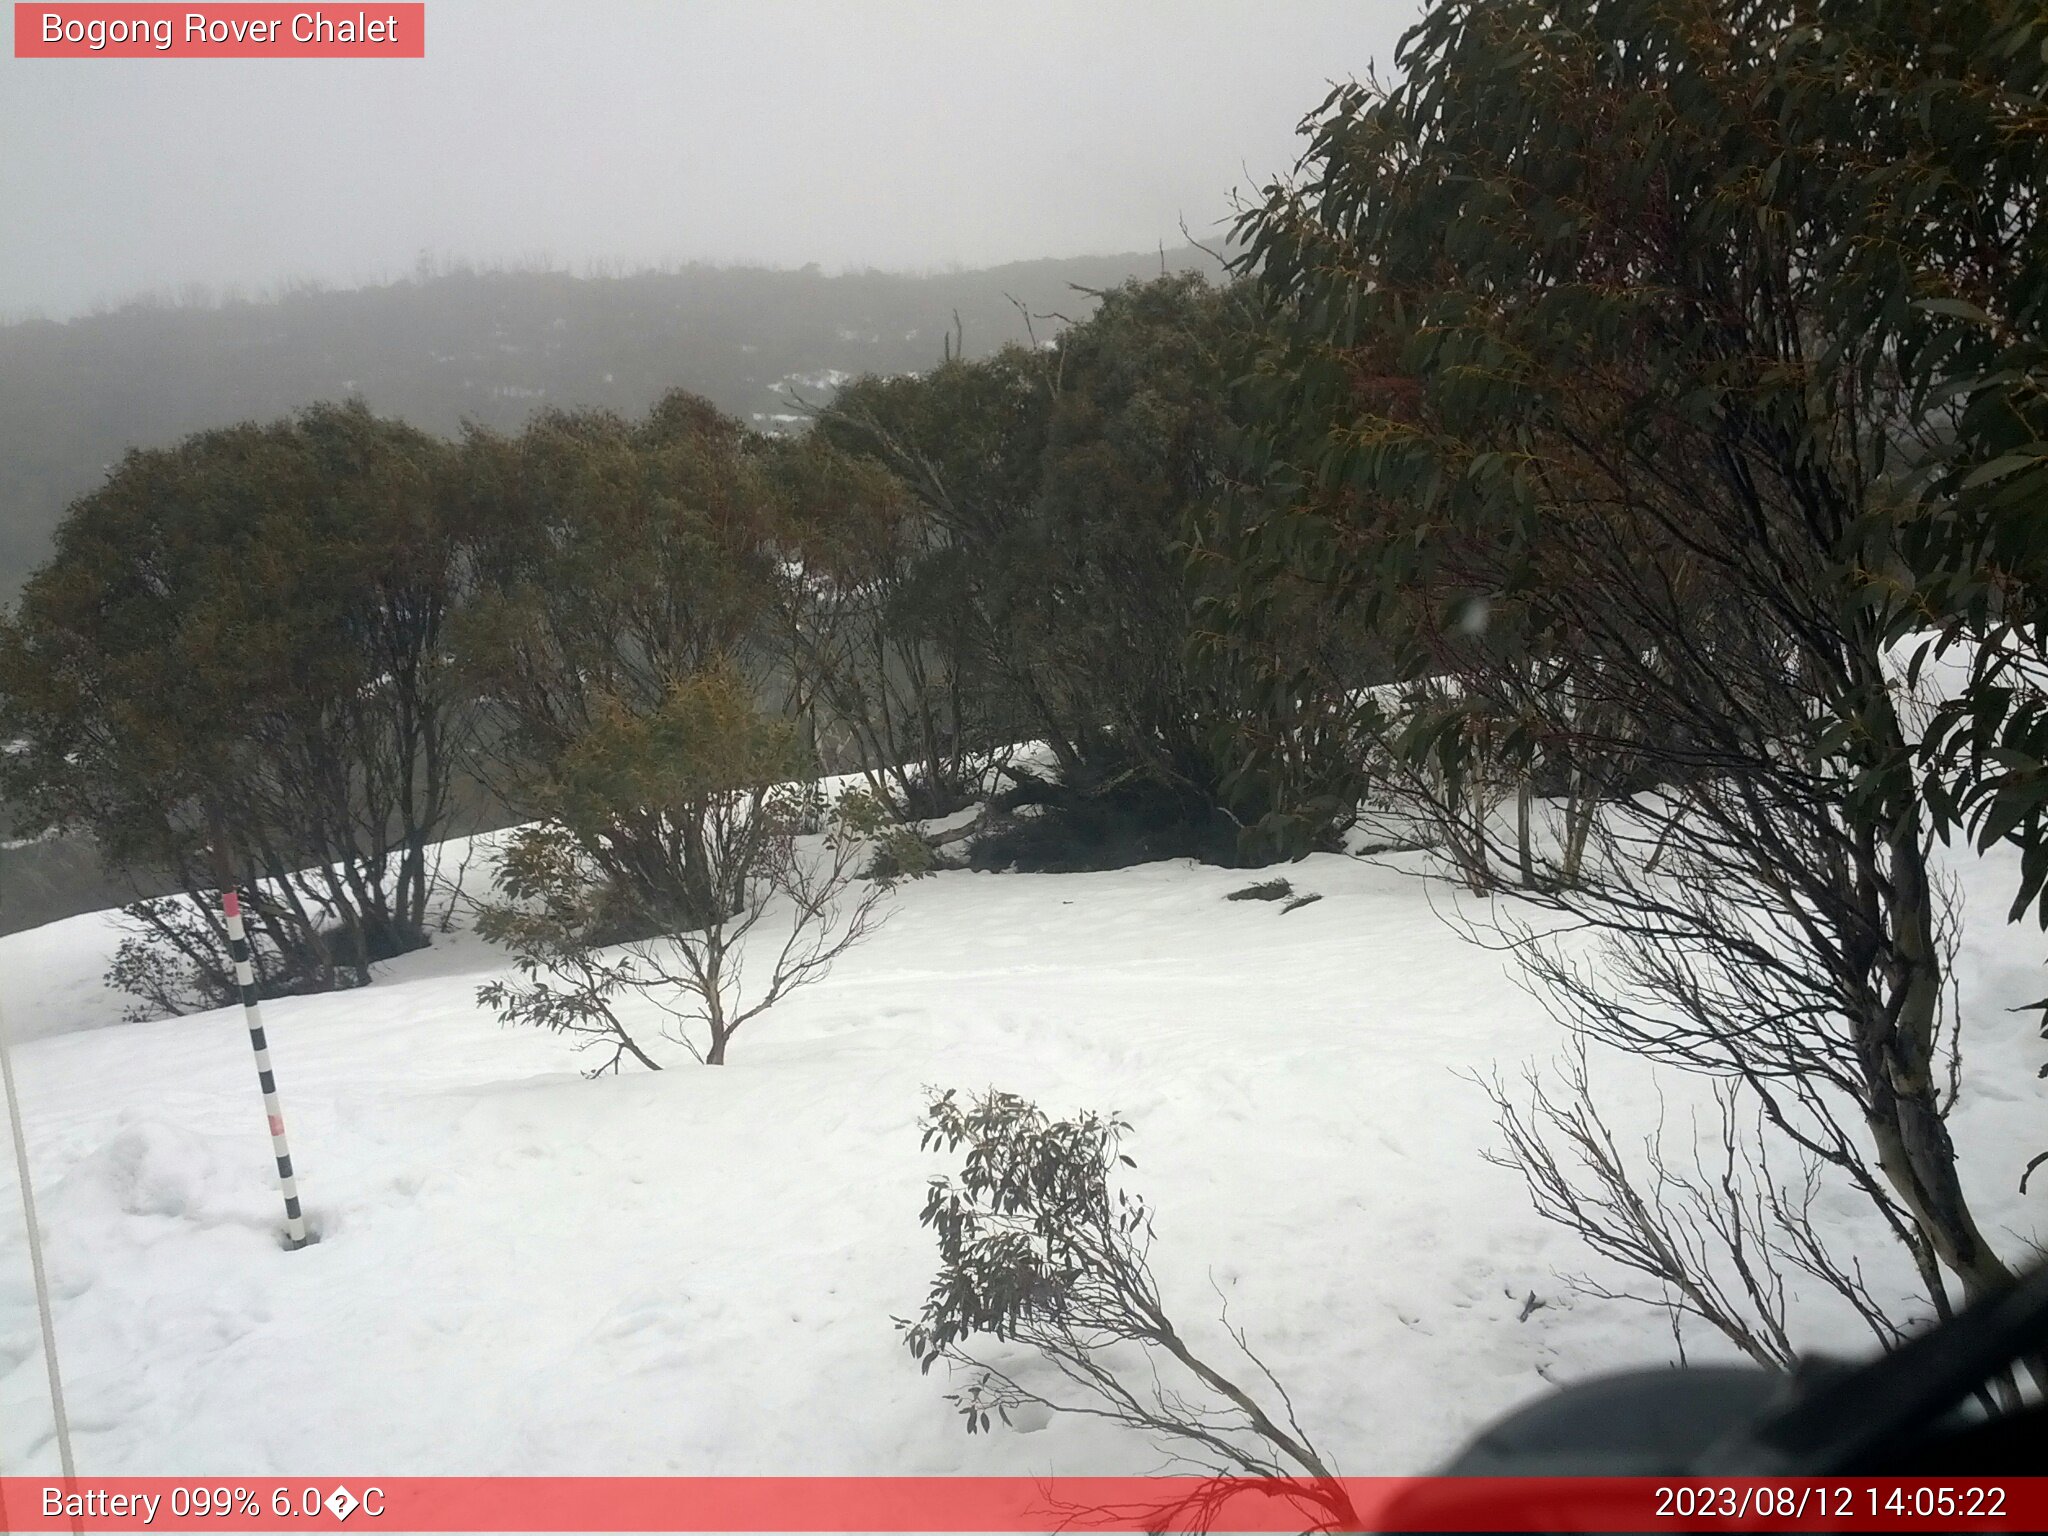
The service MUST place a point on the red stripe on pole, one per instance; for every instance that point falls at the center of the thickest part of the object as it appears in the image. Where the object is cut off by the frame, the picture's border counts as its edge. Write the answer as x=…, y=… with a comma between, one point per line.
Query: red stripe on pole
x=1010, y=1504
x=232, y=901
x=276, y=1126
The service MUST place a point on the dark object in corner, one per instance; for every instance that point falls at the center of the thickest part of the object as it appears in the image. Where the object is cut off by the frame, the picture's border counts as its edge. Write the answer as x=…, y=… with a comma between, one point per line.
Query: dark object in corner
x=1914, y=1412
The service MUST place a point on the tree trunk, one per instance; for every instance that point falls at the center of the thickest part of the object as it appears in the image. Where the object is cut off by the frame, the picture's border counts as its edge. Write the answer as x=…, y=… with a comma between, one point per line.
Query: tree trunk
x=1525, y=857
x=1915, y=1150
x=1580, y=808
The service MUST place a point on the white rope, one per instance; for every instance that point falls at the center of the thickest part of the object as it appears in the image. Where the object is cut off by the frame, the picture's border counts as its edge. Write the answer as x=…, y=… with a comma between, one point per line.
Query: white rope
x=35, y=1260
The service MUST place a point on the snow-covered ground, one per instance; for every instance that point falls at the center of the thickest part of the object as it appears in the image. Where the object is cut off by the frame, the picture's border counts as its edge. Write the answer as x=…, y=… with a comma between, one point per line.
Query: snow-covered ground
x=524, y=1271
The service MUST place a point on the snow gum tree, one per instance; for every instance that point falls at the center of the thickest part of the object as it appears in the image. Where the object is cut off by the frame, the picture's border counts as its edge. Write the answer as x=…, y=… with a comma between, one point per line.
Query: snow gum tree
x=879, y=634
x=236, y=667
x=1065, y=494
x=1572, y=352
x=622, y=641
x=609, y=558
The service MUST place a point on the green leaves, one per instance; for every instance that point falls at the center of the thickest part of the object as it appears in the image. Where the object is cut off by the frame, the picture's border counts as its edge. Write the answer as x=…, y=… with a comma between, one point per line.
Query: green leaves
x=244, y=608
x=1578, y=251
x=1961, y=309
x=705, y=737
x=1029, y=1221
x=610, y=559
x=2000, y=467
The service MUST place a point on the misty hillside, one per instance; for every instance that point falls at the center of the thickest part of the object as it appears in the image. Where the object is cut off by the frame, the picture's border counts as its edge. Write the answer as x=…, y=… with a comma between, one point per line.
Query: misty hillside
x=485, y=346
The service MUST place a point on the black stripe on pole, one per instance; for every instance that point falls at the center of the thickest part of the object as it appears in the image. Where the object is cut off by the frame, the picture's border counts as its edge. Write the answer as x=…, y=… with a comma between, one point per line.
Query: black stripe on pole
x=238, y=950
x=238, y=936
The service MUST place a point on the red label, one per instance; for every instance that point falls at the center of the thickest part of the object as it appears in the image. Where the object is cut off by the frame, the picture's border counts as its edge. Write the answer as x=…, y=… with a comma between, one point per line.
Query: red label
x=1024, y=1504
x=115, y=31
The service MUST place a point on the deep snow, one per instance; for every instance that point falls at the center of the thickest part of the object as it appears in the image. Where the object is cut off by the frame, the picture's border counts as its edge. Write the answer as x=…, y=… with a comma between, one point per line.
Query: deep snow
x=524, y=1271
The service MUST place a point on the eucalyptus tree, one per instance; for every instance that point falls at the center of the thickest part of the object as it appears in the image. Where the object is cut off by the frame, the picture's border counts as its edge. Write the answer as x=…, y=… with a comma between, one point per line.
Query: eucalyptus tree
x=235, y=669
x=1573, y=408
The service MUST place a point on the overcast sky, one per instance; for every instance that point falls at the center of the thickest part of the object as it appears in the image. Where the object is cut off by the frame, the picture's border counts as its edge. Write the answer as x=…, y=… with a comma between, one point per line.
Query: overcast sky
x=905, y=134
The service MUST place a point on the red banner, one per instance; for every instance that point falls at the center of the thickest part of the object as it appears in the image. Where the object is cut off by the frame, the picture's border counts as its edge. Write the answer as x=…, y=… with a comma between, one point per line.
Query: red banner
x=1009, y=1504
x=115, y=31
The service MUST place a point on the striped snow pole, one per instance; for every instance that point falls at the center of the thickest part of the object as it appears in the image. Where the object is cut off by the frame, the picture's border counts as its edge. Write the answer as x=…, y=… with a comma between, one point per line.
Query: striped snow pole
x=245, y=978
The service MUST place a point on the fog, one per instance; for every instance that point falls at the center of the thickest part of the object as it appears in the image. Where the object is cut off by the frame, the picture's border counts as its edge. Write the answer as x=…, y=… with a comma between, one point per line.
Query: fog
x=594, y=134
